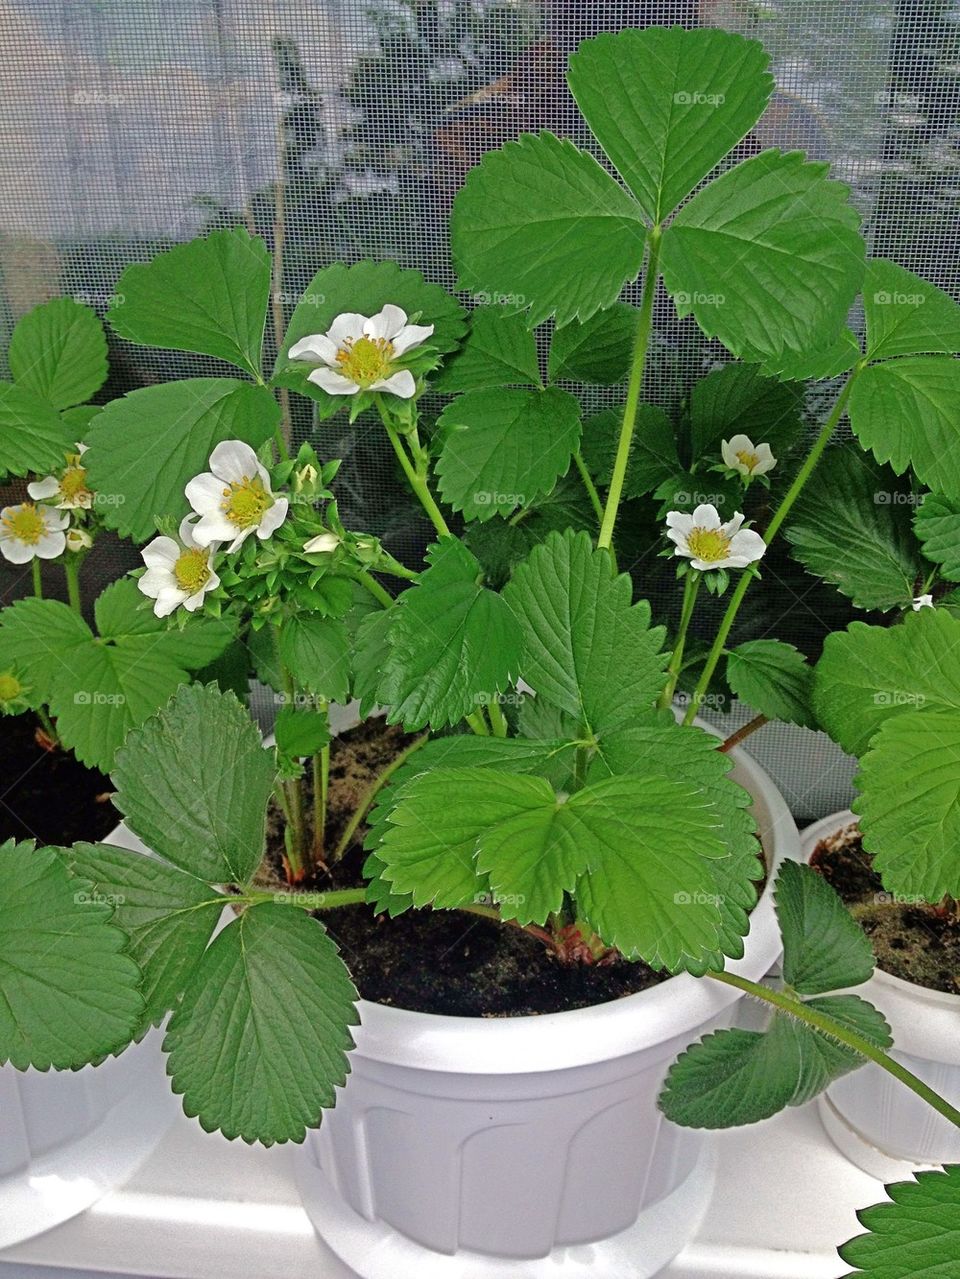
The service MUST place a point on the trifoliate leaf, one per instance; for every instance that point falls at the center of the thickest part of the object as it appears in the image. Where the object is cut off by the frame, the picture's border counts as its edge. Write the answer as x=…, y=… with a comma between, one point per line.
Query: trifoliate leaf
x=33, y=435
x=59, y=352
x=653, y=449
x=183, y=421
x=824, y=948
x=168, y=916
x=69, y=992
x=499, y=350
x=851, y=526
x=505, y=447
x=907, y=412
x=739, y=400
x=597, y=351
x=194, y=783
x=907, y=315
x=667, y=104
x=209, y=295
x=269, y=1001
x=38, y=639
x=774, y=679
x=541, y=227
x=767, y=258
x=316, y=651
x=301, y=732
x=588, y=649
x=869, y=674
x=937, y=525
x=916, y=1235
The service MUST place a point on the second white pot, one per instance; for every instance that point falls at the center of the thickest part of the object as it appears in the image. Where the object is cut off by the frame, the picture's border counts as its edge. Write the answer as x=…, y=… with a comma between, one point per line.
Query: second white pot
x=876, y=1121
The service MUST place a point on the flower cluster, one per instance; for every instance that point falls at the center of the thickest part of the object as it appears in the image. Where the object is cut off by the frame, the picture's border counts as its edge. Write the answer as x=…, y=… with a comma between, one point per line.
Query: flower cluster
x=52, y=521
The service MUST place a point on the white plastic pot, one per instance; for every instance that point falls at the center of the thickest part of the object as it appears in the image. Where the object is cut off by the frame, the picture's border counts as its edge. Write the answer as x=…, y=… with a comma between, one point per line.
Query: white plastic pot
x=69, y=1137
x=532, y=1146
x=876, y=1121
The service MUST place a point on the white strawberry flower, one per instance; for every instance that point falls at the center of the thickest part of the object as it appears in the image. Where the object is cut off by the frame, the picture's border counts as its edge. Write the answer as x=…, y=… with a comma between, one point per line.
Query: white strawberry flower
x=322, y=543
x=234, y=498
x=178, y=572
x=742, y=455
x=709, y=543
x=32, y=531
x=69, y=489
x=359, y=353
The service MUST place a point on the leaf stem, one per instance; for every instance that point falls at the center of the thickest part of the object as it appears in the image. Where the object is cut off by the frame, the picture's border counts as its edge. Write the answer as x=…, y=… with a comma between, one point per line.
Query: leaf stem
x=634, y=388
x=779, y=515
x=373, y=586
x=691, y=587
x=589, y=485
x=294, y=842
x=478, y=723
x=37, y=579
x=836, y=1030
x=371, y=793
x=498, y=721
x=415, y=476
x=321, y=786
x=71, y=570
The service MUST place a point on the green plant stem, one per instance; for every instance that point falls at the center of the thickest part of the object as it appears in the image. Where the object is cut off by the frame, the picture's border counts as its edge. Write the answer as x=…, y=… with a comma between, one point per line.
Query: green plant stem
x=779, y=515
x=416, y=477
x=589, y=485
x=376, y=590
x=71, y=569
x=638, y=364
x=498, y=721
x=294, y=839
x=37, y=579
x=371, y=793
x=836, y=1030
x=478, y=723
x=321, y=784
x=690, y=588
x=47, y=723
x=307, y=901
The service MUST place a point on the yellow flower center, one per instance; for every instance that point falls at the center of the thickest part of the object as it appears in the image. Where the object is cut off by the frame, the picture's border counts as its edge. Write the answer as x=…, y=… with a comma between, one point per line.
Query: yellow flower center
x=365, y=360
x=244, y=502
x=25, y=523
x=73, y=484
x=708, y=544
x=749, y=460
x=192, y=569
x=10, y=688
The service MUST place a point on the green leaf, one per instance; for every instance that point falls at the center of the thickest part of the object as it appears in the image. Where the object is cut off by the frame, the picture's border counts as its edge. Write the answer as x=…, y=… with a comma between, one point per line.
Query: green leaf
x=505, y=447
x=499, y=350
x=125, y=617
x=194, y=783
x=767, y=258
x=908, y=809
x=452, y=643
x=168, y=916
x=653, y=449
x=209, y=295
x=937, y=525
x=739, y=400
x=33, y=436
x=598, y=351
x=270, y=1002
x=368, y=654
x=774, y=679
x=916, y=1235
x=824, y=948
x=851, y=526
x=667, y=104
x=59, y=351
x=869, y=674
x=38, y=639
x=541, y=226
x=301, y=732
x=907, y=412
x=907, y=315
x=316, y=651
x=589, y=651
x=69, y=994
x=813, y=365
x=182, y=422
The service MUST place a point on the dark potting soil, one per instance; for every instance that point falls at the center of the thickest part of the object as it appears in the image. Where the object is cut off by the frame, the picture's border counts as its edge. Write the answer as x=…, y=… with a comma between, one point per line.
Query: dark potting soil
x=913, y=940
x=47, y=795
x=441, y=961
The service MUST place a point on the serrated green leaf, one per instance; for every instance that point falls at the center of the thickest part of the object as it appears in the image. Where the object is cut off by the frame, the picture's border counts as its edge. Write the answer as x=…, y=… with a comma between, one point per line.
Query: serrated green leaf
x=824, y=948
x=907, y=315
x=168, y=916
x=738, y=399
x=541, y=227
x=316, y=651
x=814, y=365
x=209, y=295
x=269, y=1001
x=505, y=447
x=653, y=449
x=597, y=351
x=301, y=732
x=69, y=992
x=767, y=258
x=368, y=653
x=194, y=783
x=180, y=421
x=499, y=350
x=937, y=525
x=38, y=639
x=59, y=352
x=851, y=526
x=667, y=104
x=774, y=679
x=589, y=650
x=124, y=616
x=909, y=816
x=916, y=1235
x=33, y=435
x=907, y=412
x=869, y=674
x=452, y=643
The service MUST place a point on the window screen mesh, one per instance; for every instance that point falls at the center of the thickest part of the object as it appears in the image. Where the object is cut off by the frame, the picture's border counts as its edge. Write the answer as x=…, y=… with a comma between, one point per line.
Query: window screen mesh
x=128, y=125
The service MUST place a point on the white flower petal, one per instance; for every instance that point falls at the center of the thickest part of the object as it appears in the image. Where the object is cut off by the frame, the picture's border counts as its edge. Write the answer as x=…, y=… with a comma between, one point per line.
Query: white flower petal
x=679, y=536
x=705, y=516
x=215, y=527
x=48, y=487
x=402, y=384
x=679, y=520
x=333, y=383
x=161, y=553
x=50, y=545
x=348, y=325
x=413, y=335
x=272, y=518
x=169, y=599
x=153, y=581
x=732, y=526
x=204, y=493
x=386, y=323
x=747, y=545
x=81, y=448
x=233, y=461
x=53, y=517
x=193, y=602
x=922, y=601
x=315, y=347
x=12, y=549
x=321, y=544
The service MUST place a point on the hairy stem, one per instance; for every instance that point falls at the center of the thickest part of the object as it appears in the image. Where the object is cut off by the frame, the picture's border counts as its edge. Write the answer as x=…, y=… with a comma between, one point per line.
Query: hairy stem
x=416, y=476
x=498, y=721
x=371, y=793
x=376, y=590
x=37, y=578
x=71, y=569
x=321, y=785
x=690, y=588
x=294, y=836
x=589, y=485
